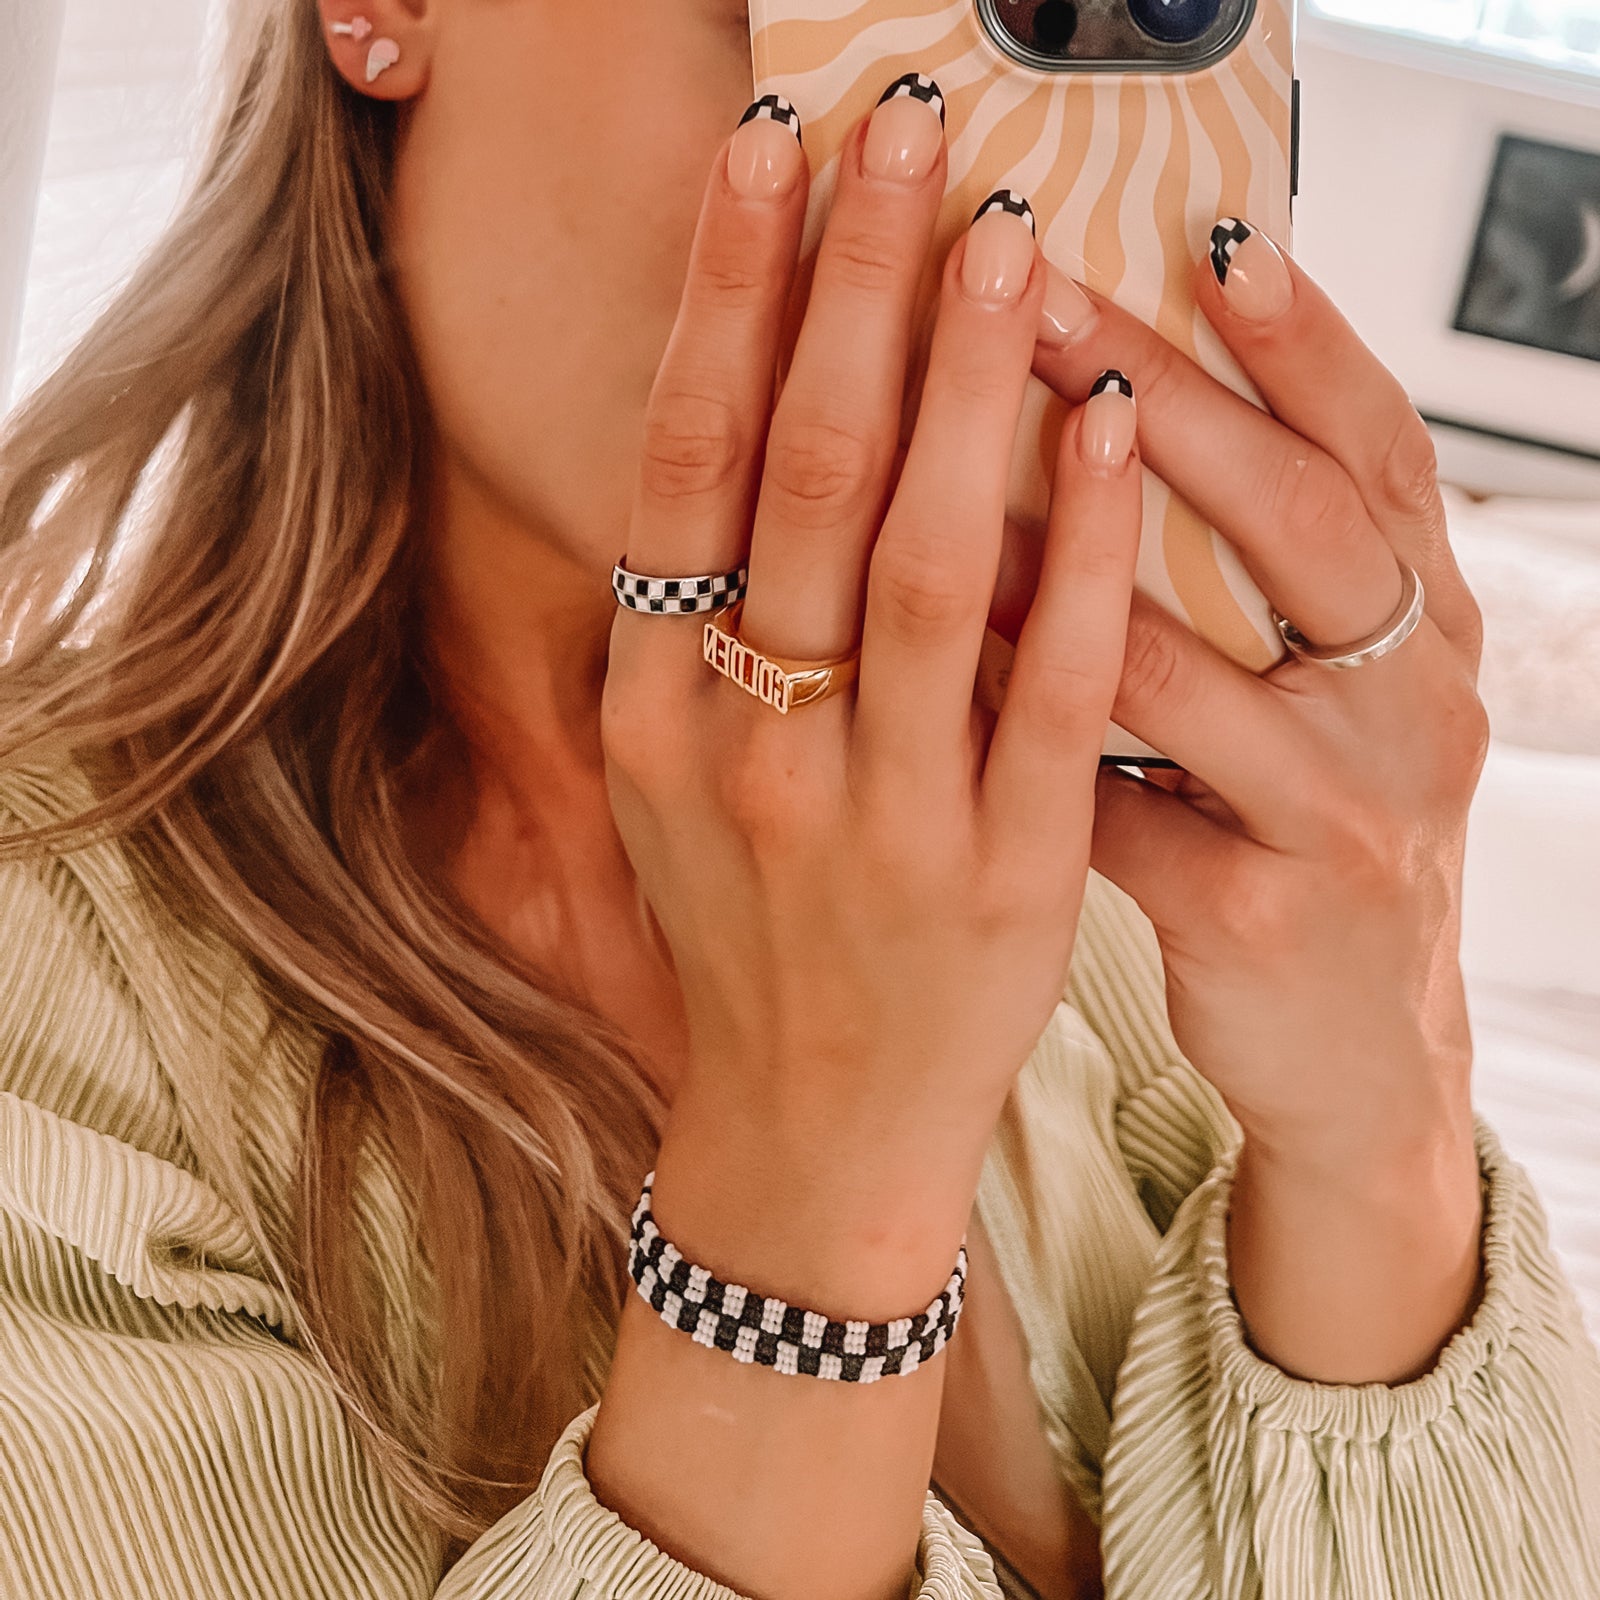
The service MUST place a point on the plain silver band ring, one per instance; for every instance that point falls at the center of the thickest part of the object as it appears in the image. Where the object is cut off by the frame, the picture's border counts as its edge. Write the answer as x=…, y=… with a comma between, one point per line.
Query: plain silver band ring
x=1390, y=636
x=678, y=597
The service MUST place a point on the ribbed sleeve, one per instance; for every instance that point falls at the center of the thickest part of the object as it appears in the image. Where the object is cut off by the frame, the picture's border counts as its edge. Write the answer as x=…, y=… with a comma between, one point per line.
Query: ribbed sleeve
x=1226, y=1479
x=163, y=1435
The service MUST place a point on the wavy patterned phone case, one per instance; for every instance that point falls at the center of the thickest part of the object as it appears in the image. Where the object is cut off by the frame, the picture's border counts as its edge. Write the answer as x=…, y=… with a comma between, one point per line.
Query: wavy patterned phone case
x=1127, y=173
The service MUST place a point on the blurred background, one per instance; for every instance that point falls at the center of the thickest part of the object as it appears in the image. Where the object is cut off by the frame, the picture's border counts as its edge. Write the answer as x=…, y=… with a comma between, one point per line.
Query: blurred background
x=1450, y=201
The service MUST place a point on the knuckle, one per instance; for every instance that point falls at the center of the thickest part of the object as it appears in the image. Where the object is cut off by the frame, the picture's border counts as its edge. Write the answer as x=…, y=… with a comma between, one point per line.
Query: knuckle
x=822, y=468
x=1162, y=369
x=1152, y=670
x=730, y=278
x=765, y=791
x=693, y=445
x=1469, y=623
x=924, y=592
x=637, y=735
x=973, y=379
x=1465, y=731
x=1064, y=698
x=1408, y=477
x=1251, y=912
x=1313, y=491
x=864, y=259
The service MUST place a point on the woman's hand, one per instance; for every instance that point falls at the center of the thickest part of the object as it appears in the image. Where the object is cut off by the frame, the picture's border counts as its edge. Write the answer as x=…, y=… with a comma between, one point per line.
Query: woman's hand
x=1304, y=872
x=871, y=901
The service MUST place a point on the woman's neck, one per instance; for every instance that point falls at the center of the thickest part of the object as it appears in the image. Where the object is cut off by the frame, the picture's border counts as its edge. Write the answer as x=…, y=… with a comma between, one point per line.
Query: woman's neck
x=517, y=819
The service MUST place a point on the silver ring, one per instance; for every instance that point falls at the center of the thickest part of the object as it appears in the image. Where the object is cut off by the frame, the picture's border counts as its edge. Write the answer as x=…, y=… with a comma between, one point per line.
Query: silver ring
x=1390, y=636
x=674, y=597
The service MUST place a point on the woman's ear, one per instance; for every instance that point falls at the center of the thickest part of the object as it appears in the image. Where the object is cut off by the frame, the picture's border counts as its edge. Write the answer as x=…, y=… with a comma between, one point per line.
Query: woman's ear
x=380, y=48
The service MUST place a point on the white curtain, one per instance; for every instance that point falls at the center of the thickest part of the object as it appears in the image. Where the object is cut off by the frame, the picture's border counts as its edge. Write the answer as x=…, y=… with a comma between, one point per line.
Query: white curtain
x=94, y=143
x=29, y=33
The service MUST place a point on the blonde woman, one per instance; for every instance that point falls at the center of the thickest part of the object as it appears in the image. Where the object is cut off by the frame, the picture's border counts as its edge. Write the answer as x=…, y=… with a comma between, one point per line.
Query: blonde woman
x=1085, y=1168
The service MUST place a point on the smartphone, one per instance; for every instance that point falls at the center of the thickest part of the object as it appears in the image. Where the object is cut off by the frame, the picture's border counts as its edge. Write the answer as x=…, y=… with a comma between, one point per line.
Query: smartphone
x=1132, y=126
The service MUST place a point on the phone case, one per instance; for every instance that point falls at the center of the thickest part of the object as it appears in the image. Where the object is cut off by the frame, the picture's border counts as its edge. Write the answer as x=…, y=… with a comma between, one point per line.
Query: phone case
x=1127, y=173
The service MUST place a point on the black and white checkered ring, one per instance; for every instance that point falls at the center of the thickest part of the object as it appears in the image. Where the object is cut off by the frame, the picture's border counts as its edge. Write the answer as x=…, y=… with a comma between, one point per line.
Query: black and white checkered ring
x=765, y=1331
x=678, y=596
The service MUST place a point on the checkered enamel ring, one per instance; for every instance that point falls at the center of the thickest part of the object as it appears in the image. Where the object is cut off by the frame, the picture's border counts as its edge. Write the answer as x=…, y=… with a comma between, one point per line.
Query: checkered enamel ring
x=678, y=596
x=764, y=1331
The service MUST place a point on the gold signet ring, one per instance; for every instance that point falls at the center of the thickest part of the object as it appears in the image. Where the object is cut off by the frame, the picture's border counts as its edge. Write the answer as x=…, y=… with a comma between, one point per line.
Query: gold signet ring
x=777, y=681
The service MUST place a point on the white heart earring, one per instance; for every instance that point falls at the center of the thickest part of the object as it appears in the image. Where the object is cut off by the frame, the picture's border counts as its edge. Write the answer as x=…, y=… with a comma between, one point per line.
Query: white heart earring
x=383, y=55
x=358, y=28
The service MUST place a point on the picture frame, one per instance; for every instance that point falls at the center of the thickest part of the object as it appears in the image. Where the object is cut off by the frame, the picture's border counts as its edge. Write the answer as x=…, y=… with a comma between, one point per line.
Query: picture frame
x=1533, y=275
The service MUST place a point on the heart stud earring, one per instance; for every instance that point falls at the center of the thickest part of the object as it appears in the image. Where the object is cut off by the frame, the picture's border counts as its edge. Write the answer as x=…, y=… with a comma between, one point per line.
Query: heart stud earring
x=358, y=28
x=383, y=55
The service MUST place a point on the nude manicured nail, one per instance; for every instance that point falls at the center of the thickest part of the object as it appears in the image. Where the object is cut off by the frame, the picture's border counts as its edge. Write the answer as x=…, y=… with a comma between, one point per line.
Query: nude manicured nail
x=1110, y=424
x=1254, y=276
x=1000, y=248
x=764, y=154
x=1067, y=310
x=905, y=131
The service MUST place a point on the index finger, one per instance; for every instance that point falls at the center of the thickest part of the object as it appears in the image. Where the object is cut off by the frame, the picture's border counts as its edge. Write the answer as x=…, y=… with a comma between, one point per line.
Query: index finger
x=707, y=414
x=1320, y=378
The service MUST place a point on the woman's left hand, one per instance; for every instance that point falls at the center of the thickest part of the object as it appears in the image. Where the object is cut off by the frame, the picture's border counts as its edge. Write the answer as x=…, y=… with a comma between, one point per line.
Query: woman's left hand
x=1303, y=873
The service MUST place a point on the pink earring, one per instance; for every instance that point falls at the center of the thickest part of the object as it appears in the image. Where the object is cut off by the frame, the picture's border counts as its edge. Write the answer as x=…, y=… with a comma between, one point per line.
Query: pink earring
x=383, y=55
x=358, y=28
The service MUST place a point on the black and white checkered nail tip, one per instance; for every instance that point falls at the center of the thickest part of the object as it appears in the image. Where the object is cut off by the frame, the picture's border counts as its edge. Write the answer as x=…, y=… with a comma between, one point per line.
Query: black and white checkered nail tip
x=918, y=86
x=1008, y=200
x=678, y=596
x=1226, y=238
x=1111, y=382
x=765, y=1331
x=775, y=109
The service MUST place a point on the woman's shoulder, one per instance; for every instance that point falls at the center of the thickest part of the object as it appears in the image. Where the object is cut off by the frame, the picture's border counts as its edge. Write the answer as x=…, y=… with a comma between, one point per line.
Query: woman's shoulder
x=118, y=1009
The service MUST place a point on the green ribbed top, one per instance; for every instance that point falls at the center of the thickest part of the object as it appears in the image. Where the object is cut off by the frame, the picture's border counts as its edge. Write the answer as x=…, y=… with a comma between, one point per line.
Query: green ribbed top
x=164, y=1435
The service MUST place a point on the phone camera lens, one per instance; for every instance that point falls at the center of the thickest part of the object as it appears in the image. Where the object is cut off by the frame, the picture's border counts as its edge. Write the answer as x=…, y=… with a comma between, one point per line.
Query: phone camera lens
x=1054, y=24
x=1175, y=21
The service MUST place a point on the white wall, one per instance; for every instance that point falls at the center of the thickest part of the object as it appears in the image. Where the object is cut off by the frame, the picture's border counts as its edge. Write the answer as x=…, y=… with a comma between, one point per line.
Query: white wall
x=1395, y=158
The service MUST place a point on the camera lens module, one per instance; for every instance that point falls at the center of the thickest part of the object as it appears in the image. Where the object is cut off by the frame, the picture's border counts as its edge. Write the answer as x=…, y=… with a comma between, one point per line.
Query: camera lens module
x=1175, y=21
x=1054, y=24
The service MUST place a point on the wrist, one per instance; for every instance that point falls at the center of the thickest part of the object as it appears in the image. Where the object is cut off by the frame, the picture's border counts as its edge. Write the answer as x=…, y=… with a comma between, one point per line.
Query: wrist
x=830, y=1223
x=1377, y=1150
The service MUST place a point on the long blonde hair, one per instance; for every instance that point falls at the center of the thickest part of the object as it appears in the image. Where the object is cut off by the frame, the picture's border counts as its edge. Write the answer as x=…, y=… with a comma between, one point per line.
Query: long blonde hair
x=208, y=559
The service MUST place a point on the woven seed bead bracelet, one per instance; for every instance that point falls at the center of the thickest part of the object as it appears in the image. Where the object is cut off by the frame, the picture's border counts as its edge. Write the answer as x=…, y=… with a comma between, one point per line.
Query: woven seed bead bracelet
x=769, y=1332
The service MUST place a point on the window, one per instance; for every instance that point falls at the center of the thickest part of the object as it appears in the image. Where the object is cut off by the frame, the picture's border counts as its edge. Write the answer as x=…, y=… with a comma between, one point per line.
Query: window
x=1555, y=33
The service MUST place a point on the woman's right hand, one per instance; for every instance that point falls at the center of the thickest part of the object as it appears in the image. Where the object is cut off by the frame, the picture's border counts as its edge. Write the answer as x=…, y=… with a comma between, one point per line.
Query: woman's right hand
x=871, y=901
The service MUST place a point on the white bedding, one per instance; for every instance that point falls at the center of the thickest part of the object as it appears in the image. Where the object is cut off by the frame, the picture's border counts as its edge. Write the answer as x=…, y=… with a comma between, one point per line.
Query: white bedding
x=1531, y=921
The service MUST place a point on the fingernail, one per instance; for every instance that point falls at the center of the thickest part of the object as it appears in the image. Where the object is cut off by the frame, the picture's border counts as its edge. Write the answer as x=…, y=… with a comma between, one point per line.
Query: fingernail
x=1254, y=276
x=905, y=131
x=1067, y=310
x=1110, y=424
x=1000, y=248
x=764, y=153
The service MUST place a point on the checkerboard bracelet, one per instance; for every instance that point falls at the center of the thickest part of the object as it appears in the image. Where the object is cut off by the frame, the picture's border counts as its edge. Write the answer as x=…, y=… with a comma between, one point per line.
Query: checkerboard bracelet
x=769, y=1332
